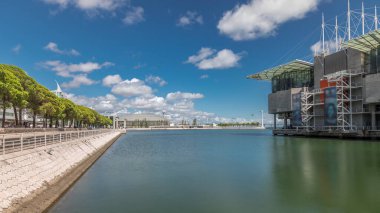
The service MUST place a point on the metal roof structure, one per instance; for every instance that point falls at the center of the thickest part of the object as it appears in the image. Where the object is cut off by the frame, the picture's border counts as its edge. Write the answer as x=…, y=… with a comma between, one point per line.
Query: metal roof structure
x=364, y=43
x=296, y=65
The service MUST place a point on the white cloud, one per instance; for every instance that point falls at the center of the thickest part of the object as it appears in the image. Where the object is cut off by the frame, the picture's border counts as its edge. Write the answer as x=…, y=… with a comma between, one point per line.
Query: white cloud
x=204, y=76
x=66, y=70
x=317, y=48
x=133, y=87
x=16, y=49
x=189, y=19
x=88, y=5
x=208, y=58
x=183, y=95
x=259, y=18
x=105, y=103
x=53, y=47
x=156, y=80
x=111, y=80
x=77, y=81
x=134, y=15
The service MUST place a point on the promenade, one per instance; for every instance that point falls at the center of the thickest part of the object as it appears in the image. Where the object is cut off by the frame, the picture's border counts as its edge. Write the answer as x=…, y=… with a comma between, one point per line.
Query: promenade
x=32, y=164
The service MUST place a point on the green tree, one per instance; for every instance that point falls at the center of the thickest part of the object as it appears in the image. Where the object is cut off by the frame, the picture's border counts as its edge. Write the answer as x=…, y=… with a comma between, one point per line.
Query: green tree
x=10, y=88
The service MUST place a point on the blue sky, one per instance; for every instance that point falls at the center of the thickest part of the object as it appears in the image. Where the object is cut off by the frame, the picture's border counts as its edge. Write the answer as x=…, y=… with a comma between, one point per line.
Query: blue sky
x=187, y=58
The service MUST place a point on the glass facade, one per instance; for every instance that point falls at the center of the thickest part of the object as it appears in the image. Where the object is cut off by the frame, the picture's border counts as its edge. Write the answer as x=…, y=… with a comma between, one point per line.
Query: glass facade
x=374, y=58
x=294, y=79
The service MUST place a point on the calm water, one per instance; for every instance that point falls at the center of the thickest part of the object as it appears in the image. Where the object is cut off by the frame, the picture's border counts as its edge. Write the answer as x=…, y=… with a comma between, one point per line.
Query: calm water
x=229, y=171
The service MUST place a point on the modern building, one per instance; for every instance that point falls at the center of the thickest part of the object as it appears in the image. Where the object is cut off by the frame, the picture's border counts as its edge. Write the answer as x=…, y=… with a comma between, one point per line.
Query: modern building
x=139, y=121
x=58, y=92
x=338, y=94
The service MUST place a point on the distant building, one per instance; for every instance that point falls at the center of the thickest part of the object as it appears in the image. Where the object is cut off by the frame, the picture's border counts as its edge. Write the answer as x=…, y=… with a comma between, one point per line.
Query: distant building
x=138, y=121
x=58, y=92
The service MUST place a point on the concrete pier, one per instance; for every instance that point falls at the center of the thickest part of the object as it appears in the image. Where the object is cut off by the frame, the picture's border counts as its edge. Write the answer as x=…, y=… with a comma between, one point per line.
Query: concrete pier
x=31, y=180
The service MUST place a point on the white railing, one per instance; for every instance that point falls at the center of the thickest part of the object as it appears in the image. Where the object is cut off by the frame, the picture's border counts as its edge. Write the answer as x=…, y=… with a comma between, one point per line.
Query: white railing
x=10, y=143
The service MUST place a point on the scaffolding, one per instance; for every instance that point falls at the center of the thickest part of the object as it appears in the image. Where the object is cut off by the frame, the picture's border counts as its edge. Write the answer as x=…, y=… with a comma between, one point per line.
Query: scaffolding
x=307, y=106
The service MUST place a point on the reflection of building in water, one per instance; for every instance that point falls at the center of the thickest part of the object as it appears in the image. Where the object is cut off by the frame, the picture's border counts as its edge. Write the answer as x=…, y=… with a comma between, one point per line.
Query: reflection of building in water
x=336, y=94
x=138, y=121
x=342, y=177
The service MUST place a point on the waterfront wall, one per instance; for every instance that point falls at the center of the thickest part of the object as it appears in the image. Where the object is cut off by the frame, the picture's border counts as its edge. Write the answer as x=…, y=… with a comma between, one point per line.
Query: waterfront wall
x=29, y=174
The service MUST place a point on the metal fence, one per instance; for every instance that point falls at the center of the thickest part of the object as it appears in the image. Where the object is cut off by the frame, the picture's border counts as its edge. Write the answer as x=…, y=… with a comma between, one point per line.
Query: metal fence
x=10, y=143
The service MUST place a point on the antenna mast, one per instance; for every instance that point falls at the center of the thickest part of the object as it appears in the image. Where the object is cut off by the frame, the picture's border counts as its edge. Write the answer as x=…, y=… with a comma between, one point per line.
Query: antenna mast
x=363, y=19
x=349, y=20
x=336, y=34
x=323, y=33
x=376, y=19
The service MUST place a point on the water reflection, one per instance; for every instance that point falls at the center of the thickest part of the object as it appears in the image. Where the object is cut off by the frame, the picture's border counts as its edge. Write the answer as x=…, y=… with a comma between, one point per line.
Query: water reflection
x=327, y=174
x=229, y=171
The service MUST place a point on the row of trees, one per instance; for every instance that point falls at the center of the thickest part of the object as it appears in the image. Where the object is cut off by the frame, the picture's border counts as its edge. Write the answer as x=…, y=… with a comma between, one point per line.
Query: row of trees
x=239, y=124
x=19, y=91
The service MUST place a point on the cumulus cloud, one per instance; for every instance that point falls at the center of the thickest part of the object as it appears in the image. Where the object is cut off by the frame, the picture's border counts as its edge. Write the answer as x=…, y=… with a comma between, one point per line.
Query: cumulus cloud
x=133, y=87
x=260, y=18
x=16, y=49
x=204, y=76
x=317, y=48
x=88, y=5
x=134, y=15
x=183, y=95
x=53, y=47
x=111, y=80
x=190, y=18
x=67, y=70
x=208, y=58
x=77, y=81
x=156, y=80
x=102, y=104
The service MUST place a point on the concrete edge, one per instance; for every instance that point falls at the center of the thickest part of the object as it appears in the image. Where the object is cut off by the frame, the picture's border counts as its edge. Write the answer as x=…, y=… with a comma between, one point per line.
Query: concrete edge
x=44, y=198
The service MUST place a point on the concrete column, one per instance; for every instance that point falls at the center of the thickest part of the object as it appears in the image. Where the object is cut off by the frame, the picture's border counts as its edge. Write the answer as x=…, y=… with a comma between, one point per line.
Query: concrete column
x=372, y=109
x=285, y=122
x=274, y=121
x=125, y=124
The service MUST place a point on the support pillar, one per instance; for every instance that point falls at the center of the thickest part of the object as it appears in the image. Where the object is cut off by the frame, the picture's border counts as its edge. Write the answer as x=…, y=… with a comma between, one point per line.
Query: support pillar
x=372, y=109
x=274, y=121
x=125, y=124
x=286, y=122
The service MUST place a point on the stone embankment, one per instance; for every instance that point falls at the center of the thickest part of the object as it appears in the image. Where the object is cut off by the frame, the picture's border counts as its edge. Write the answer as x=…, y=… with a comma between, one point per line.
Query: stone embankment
x=31, y=180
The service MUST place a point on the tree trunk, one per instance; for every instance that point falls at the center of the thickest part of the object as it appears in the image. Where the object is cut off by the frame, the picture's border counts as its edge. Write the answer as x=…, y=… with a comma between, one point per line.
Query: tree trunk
x=4, y=108
x=20, y=117
x=50, y=122
x=57, y=123
x=34, y=119
x=16, y=117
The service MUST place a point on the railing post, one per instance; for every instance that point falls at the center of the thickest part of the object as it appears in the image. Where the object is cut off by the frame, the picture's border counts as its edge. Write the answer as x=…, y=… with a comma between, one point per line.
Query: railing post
x=35, y=140
x=22, y=141
x=60, y=139
x=45, y=139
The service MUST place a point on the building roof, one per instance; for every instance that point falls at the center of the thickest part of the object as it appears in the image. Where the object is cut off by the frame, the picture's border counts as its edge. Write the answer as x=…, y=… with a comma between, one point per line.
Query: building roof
x=296, y=65
x=365, y=43
x=147, y=117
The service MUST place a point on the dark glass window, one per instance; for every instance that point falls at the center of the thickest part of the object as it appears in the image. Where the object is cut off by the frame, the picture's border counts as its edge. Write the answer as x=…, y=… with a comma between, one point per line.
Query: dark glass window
x=294, y=79
x=374, y=58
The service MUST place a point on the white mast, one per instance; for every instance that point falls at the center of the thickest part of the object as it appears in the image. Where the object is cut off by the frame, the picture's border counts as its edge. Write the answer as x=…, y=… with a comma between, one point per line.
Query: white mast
x=323, y=34
x=262, y=119
x=349, y=21
x=376, y=19
x=336, y=34
x=363, y=19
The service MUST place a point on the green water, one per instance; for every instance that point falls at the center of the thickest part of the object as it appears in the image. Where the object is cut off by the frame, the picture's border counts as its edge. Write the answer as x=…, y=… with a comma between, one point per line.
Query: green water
x=229, y=171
